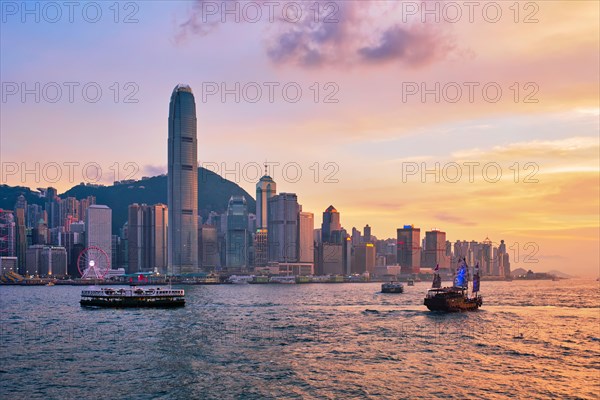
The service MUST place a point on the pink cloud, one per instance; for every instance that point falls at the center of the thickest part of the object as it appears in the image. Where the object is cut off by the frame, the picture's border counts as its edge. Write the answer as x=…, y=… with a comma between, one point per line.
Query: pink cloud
x=342, y=33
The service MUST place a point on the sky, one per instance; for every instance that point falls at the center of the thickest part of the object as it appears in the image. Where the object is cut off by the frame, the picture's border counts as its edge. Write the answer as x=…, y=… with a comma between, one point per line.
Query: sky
x=480, y=119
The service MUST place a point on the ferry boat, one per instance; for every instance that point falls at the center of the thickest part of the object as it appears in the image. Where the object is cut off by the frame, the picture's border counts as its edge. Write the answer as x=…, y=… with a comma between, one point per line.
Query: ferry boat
x=283, y=279
x=133, y=297
x=259, y=279
x=455, y=298
x=392, y=287
x=239, y=279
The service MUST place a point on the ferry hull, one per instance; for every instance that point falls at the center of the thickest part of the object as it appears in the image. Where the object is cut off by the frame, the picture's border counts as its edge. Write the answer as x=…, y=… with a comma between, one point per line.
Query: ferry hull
x=130, y=302
x=392, y=290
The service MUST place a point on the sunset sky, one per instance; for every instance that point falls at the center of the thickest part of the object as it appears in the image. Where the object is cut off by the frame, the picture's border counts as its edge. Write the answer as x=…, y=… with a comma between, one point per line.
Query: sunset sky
x=370, y=140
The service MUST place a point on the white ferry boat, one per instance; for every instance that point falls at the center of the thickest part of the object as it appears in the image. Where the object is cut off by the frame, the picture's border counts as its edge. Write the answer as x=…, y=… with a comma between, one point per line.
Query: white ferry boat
x=283, y=279
x=240, y=279
x=133, y=297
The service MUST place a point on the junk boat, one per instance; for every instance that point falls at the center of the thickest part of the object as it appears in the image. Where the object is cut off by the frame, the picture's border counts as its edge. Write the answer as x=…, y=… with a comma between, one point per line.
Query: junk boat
x=133, y=297
x=455, y=298
x=392, y=287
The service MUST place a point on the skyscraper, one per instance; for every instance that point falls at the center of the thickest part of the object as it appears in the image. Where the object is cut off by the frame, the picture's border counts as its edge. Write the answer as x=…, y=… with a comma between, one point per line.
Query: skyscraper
x=331, y=223
x=237, y=233
x=435, y=250
x=367, y=235
x=283, y=228
x=409, y=249
x=98, y=228
x=265, y=189
x=208, y=248
x=306, y=247
x=364, y=258
x=182, y=182
x=53, y=207
x=147, y=238
x=83, y=206
x=21, y=238
x=7, y=233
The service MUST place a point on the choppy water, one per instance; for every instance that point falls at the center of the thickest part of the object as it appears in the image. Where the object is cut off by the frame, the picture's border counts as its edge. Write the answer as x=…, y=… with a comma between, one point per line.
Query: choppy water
x=304, y=341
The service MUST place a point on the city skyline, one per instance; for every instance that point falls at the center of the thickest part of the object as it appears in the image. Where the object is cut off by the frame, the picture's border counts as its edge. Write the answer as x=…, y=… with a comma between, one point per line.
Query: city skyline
x=362, y=142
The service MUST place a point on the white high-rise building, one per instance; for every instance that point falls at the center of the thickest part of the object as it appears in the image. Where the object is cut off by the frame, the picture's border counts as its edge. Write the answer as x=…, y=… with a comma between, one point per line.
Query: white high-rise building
x=98, y=227
x=306, y=248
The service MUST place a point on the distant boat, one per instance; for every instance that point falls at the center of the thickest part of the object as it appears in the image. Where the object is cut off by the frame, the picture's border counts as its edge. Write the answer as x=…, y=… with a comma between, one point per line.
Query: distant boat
x=283, y=279
x=392, y=287
x=50, y=284
x=411, y=282
x=455, y=298
x=259, y=279
x=239, y=279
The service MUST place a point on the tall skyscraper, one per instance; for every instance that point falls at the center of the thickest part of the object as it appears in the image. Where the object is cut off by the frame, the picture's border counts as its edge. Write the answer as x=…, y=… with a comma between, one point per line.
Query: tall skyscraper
x=265, y=189
x=52, y=207
x=435, y=250
x=306, y=247
x=69, y=211
x=237, y=240
x=98, y=228
x=356, y=237
x=183, y=182
x=331, y=224
x=53, y=261
x=208, y=248
x=83, y=206
x=283, y=228
x=33, y=215
x=409, y=249
x=21, y=238
x=486, y=257
x=367, y=235
x=147, y=238
x=7, y=233
x=364, y=258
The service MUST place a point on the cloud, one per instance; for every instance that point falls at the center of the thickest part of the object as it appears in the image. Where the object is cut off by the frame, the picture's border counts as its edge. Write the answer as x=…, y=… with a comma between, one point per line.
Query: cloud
x=339, y=33
x=455, y=219
x=414, y=47
x=571, y=154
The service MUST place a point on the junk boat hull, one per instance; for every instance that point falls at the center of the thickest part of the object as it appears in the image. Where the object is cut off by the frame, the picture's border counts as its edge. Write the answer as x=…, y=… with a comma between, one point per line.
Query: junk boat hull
x=132, y=298
x=451, y=300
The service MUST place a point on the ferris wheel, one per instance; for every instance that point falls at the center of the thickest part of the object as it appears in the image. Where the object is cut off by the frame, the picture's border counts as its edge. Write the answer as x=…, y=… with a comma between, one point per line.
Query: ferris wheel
x=93, y=263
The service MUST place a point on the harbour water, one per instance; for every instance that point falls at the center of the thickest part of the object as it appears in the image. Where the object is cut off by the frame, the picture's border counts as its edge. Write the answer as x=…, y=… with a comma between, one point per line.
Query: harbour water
x=531, y=339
